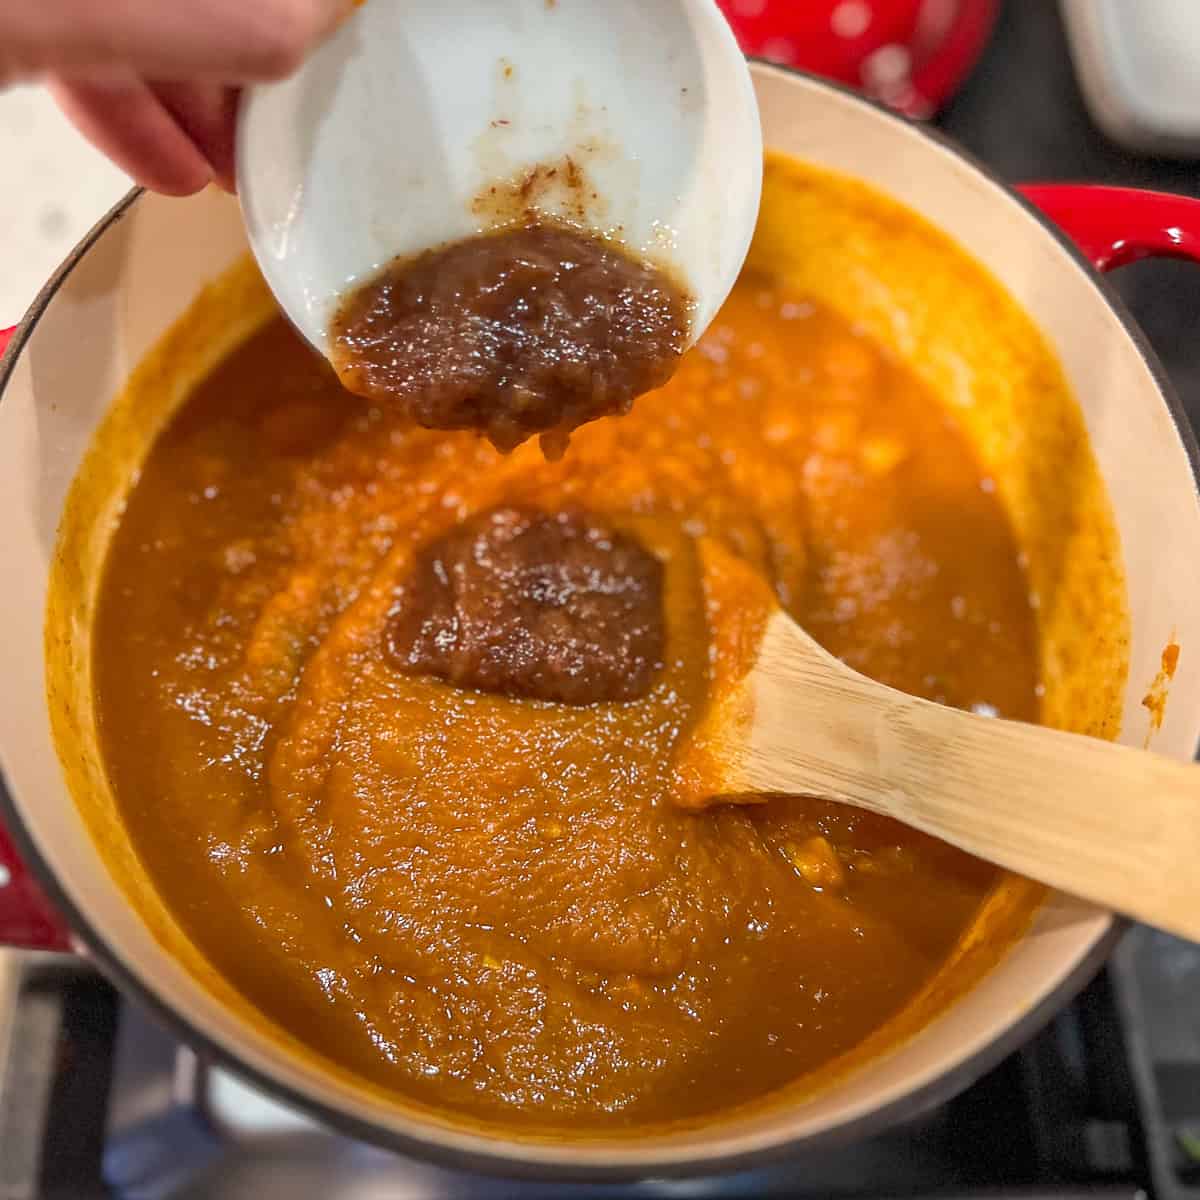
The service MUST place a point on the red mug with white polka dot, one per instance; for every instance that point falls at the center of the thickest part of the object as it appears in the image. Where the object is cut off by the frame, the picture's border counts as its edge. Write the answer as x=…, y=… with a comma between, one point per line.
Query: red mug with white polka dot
x=910, y=54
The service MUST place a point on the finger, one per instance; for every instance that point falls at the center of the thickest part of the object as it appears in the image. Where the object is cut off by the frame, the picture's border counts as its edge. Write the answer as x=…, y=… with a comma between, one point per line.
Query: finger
x=125, y=120
x=207, y=113
x=225, y=41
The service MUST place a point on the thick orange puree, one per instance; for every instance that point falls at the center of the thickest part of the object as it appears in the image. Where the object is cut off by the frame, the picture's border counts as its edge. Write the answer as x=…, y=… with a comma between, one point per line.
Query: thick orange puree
x=494, y=906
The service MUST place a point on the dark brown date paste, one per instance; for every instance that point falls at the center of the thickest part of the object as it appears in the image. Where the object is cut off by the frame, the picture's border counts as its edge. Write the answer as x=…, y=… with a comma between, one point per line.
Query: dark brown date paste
x=555, y=607
x=531, y=330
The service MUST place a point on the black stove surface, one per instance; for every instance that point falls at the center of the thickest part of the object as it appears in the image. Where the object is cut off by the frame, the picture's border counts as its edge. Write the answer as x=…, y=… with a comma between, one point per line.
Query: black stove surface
x=96, y=1101
x=1104, y=1102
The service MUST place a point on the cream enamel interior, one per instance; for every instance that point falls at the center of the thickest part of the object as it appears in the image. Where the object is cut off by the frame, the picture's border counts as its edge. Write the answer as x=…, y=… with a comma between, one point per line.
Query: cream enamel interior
x=141, y=276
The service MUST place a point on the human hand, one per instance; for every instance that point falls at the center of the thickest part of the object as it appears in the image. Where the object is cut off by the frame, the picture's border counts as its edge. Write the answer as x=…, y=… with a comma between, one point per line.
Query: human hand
x=153, y=83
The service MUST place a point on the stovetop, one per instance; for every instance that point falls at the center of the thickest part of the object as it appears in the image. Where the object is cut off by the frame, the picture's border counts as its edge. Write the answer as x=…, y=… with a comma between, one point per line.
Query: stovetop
x=97, y=1101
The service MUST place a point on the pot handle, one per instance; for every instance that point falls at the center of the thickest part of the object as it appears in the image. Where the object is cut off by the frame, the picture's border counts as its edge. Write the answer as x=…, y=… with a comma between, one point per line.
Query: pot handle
x=27, y=919
x=1115, y=226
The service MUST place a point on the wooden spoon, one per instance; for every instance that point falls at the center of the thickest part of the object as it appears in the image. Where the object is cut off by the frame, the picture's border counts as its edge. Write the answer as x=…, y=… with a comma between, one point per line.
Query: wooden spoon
x=1114, y=825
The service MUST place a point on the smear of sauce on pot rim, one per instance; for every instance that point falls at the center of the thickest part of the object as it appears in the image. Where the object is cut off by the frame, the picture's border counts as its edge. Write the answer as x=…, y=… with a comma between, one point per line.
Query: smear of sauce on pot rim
x=1155, y=699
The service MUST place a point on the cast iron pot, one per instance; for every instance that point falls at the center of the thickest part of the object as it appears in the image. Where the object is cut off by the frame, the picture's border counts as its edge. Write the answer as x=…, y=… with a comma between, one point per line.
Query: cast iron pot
x=137, y=272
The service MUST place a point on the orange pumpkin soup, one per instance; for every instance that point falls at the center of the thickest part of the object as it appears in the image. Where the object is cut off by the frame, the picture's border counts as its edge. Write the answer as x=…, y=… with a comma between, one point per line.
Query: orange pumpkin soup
x=492, y=903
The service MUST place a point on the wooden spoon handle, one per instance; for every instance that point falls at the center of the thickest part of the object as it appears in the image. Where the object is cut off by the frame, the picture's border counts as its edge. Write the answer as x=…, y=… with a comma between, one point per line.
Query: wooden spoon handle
x=1108, y=823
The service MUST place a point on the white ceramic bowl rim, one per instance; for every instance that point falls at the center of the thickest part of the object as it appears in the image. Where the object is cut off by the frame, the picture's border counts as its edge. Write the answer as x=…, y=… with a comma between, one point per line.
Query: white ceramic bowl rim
x=93, y=944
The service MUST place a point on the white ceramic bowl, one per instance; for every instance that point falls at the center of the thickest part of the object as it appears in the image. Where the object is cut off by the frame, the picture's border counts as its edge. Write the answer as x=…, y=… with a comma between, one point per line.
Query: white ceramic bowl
x=390, y=138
